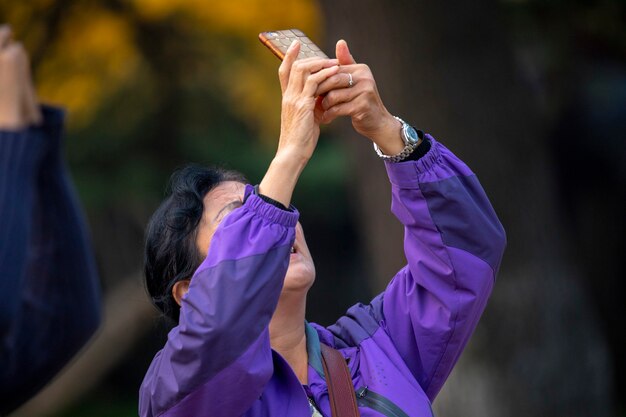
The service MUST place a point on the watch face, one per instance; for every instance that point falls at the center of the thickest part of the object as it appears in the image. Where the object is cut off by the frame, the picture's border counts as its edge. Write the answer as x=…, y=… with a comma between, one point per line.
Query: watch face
x=410, y=134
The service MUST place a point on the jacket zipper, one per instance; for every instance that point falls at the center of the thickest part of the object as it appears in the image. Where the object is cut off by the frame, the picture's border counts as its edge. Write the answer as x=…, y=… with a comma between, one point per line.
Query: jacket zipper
x=370, y=399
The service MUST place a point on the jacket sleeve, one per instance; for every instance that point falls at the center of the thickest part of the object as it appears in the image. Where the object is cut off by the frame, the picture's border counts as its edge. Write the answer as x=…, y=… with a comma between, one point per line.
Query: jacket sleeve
x=222, y=338
x=48, y=282
x=453, y=244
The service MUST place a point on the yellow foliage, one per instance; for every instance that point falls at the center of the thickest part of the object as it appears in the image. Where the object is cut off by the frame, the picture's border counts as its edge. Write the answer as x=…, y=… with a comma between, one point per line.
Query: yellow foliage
x=93, y=57
x=236, y=16
x=94, y=54
x=250, y=84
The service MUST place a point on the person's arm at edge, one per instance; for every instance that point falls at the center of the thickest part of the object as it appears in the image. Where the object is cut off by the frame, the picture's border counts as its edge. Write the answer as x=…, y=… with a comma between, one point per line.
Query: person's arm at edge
x=20, y=153
x=76, y=284
x=49, y=261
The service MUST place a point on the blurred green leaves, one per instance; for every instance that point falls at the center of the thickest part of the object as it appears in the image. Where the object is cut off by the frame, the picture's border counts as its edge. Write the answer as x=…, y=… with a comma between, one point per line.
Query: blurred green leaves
x=153, y=84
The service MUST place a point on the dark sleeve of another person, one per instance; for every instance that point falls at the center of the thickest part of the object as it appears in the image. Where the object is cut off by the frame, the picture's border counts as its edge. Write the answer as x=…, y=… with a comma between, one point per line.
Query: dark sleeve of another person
x=49, y=289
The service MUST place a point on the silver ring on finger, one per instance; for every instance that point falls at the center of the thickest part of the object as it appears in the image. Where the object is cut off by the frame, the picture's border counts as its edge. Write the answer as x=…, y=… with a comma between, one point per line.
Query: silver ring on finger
x=350, y=80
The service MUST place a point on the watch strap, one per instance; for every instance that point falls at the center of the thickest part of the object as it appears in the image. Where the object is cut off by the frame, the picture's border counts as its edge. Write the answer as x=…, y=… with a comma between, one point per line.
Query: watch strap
x=409, y=147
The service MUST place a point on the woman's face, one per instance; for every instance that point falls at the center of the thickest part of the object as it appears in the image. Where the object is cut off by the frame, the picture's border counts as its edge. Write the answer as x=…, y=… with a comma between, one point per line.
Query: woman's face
x=226, y=197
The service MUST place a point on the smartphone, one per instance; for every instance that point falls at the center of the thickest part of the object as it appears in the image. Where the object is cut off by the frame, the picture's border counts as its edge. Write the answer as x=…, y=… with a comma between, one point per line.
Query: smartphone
x=279, y=40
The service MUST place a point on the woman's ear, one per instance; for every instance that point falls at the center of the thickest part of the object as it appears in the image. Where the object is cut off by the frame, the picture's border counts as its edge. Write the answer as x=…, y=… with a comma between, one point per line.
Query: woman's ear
x=180, y=289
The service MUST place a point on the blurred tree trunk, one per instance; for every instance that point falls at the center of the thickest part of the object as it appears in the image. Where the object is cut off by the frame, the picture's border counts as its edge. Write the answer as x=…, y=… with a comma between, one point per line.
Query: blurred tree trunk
x=449, y=70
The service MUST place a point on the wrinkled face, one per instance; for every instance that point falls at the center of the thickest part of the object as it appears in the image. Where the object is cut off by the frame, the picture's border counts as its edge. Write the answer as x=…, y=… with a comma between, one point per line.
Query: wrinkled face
x=228, y=196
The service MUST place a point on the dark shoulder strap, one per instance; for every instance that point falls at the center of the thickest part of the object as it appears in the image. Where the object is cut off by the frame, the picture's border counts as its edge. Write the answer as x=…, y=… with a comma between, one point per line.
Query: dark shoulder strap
x=340, y=389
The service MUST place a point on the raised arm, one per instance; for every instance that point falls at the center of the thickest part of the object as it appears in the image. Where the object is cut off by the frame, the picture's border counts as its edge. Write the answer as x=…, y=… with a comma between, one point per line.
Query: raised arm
x=222, y=340
x=218, y=360
x=453, y=240
x=453, y=244
x=48, y=271
x=48, y=284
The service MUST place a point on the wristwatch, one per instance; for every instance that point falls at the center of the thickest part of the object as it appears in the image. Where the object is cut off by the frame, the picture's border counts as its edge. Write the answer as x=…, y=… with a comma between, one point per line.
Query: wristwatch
x=410, y=138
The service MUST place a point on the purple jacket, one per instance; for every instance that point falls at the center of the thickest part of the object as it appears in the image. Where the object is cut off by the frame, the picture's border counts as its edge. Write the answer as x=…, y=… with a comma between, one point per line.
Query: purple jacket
x=400, y=348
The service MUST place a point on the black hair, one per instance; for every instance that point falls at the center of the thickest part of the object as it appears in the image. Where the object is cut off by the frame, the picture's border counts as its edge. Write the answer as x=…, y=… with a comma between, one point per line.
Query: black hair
x=171, y=253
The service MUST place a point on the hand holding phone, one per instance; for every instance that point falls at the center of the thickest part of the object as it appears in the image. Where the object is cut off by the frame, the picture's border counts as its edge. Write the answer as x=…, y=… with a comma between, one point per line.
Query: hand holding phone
x=278, y=42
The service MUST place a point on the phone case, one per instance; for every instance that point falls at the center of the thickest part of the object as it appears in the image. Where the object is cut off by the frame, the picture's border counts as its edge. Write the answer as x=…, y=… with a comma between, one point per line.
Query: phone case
x=279, y=40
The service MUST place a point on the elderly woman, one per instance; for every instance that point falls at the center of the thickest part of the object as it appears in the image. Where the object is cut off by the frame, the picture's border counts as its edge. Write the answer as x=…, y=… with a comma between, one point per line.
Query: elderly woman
x=230, y=264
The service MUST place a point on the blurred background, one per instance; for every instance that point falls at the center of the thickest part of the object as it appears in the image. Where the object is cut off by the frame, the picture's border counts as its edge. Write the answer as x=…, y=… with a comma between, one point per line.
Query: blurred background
x=530, y=93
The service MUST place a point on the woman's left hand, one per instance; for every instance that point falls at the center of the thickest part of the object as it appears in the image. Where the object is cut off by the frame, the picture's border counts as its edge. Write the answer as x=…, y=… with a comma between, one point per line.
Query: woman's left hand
x=352, y=92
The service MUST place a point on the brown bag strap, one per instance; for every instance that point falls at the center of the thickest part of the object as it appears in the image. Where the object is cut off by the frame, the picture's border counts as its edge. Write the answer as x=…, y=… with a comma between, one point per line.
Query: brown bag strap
x=340, y=389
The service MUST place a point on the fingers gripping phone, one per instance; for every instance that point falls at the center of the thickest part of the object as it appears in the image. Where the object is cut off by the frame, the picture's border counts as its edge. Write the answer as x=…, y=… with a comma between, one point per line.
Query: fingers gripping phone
x=279, y=41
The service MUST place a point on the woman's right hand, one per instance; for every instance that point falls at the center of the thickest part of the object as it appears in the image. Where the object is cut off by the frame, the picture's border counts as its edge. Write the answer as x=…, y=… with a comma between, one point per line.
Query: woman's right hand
x=299, y=80
x=300, y=121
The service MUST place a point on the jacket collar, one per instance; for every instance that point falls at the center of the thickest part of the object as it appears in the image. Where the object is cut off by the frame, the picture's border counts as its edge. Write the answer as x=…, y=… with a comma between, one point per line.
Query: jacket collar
x=313, y=349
